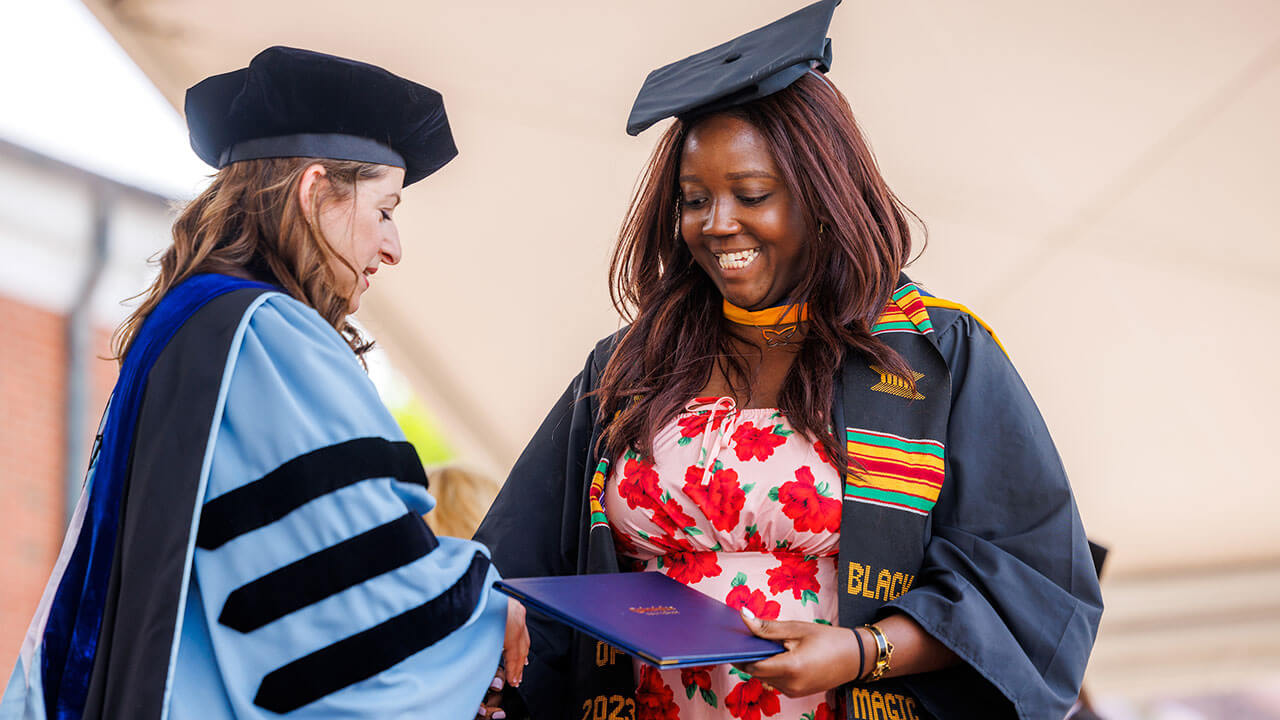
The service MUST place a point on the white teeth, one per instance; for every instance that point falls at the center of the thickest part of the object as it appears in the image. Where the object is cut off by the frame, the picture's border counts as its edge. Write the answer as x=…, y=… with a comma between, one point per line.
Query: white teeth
x=737, y=260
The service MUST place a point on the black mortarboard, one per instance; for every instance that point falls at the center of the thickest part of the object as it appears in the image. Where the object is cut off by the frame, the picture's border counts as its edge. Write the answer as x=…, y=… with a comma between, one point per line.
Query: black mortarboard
x=752, y=66
x=298, y=103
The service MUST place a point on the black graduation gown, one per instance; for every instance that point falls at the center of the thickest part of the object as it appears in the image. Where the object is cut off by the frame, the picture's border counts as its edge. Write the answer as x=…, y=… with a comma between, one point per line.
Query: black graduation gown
x=994, y=564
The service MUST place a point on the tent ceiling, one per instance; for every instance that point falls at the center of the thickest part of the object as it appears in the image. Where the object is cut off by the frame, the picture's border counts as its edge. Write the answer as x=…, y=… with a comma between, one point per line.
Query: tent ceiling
x=1097, y=178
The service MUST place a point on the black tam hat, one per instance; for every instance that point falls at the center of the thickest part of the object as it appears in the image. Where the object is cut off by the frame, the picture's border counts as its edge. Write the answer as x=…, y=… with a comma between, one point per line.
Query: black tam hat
x=298, y=103
x=752, y=66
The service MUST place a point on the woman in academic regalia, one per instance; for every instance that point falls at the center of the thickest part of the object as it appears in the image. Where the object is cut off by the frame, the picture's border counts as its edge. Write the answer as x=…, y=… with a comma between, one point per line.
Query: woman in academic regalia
x=250, y=540
x=792, y=426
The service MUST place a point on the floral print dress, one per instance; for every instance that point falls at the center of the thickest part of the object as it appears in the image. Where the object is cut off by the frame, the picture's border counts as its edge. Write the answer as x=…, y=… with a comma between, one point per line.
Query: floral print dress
x=741, y=507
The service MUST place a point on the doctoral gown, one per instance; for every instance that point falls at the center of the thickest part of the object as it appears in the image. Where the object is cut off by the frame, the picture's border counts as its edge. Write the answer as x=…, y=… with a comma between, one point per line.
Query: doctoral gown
x=956, y=512
x=250, y=541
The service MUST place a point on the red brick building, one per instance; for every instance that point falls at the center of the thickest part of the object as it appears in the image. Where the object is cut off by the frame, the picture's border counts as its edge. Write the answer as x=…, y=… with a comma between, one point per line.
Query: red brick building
x=33, y=496
x=61, y=228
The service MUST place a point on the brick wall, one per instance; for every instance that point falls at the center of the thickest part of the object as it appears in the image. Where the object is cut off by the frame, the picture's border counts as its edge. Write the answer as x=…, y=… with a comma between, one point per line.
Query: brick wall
x=32, y=497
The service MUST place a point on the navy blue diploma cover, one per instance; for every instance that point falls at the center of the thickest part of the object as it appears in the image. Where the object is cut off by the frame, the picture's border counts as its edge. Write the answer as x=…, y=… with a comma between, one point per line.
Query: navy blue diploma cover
x=645, y=614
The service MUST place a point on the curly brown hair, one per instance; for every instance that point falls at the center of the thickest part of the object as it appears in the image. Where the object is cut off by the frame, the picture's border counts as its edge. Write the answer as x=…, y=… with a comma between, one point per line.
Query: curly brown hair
x=250, y=223
x=678, y=332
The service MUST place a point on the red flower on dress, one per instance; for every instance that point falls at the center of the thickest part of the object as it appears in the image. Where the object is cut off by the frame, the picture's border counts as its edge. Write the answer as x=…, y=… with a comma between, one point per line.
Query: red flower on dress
x=749, y=700
x=669, y=515
x=691, y=567
x=624, y=543
x=720, y=500
x=691, y=426
x=794, y=573
x=753, y=600
x=755, y=541
x=802, y=502
x=750, y=441
x=821, y=449
x=670, y=545
x=654, y=700
x=699, y=677
x=639, y=484
x=824, y=712
x=692, y=475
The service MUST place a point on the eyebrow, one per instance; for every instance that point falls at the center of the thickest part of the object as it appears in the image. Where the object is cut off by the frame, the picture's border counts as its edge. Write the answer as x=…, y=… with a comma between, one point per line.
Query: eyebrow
x=751, y=174
x=735, y=176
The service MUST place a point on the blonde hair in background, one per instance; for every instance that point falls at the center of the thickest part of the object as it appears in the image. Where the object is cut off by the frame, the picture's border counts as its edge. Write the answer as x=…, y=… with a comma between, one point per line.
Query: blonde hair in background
x=462, y=499
x=250, y=223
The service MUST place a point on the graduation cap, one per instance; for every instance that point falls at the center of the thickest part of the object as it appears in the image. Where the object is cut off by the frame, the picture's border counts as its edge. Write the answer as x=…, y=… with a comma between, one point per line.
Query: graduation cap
x=749, y=67
x=298, y=103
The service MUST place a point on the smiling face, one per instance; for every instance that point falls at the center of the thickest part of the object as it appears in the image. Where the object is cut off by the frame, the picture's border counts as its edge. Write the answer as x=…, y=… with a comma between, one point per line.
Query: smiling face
x=741, y=222
x=361, y=229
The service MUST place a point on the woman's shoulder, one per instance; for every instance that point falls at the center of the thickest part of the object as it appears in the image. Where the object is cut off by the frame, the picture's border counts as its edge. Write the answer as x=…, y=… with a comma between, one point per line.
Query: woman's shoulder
x=279, y=305
x=289, y=356
x=972, y=351
x=234, y=325
x=606, y=345
x=281, y=319
x=254, y=306
x=263, y=332
x=953, y=324
x=603, y=349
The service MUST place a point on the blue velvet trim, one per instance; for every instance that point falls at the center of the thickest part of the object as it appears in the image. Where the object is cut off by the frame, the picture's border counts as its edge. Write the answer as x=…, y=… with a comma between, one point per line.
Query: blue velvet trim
x=70, y=638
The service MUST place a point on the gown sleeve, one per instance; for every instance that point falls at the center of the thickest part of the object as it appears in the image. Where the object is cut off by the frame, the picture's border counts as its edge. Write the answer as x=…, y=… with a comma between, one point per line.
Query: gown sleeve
x=316, y=589
x=1007, y=582
x=534, y=529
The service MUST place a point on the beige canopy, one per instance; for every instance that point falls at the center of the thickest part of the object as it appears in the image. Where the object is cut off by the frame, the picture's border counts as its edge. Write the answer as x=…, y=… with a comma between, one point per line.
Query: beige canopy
x=1099, y=184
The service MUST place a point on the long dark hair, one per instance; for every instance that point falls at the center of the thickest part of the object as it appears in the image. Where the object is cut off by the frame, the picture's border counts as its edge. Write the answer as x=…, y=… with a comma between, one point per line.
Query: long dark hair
x=862, y=241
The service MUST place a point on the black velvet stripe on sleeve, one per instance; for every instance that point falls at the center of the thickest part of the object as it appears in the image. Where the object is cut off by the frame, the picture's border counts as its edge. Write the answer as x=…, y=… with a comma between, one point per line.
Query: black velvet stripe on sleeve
x=365, y=654
x=302, y=480
x=328, y=572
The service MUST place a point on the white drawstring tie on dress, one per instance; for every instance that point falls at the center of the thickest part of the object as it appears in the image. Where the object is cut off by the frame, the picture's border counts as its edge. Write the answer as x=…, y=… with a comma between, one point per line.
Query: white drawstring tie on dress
x=714, y=442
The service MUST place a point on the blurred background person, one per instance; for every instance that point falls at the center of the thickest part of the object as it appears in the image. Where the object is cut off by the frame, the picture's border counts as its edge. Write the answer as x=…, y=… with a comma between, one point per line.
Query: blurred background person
x=462, y=498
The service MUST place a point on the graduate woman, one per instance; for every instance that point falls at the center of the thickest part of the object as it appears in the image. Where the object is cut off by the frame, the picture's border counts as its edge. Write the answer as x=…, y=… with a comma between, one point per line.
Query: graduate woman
x=250, y=541
x=794, y=427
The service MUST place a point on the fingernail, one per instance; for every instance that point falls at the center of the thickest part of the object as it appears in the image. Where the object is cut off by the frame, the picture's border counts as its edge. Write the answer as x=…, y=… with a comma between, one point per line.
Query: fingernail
x=496, y=684
x=499, y=714
x=746, y=613
x=482, y=712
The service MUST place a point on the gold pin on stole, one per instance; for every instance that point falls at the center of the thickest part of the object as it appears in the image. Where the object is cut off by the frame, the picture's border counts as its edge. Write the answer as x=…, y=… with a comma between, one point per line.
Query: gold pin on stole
x=895, y=385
